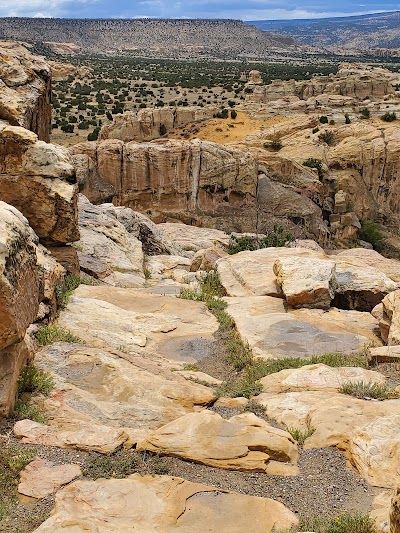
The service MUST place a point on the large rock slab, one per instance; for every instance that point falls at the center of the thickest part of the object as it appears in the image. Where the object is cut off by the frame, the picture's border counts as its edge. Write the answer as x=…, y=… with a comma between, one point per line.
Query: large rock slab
x=130, y=394
x=306, y=282
x=193, y=238
x=365, y=430
x=263, y=322
x=244, y=442
x=162, y=503
x=106, y=249
x=74, y=434
x=37, y=178
x=41, y=478
x=318, y=377
x=125, y=319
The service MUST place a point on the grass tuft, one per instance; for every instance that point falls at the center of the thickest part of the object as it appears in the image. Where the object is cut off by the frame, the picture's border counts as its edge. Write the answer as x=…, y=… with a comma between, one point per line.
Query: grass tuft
x=368, y=390
x=300, y=435
x=65, y=290
x=343, y=523
x=50, y=334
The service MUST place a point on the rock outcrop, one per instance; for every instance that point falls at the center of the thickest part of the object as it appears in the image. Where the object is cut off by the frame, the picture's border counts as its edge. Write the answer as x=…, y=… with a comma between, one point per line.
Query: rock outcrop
x=354, y=81
x=21, y=290
x=167, y=504
x=25, y=82
x=244, y=442
x=149, y=124
x=196, y=182
x=37, y=178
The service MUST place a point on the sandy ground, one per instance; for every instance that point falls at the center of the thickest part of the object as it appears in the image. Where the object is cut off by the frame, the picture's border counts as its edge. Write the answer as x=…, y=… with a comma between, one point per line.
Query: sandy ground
x=224, y=131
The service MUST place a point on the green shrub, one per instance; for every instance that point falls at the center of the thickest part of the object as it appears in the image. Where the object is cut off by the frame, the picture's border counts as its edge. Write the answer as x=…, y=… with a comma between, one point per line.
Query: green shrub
x=277, y=239
x=242, y=387
x=362, y=389
x=370, y=232
x=163, y=130
x=347, y=118
x=233, y=114
x=25, y=410
x=300, y=435
x=33, y=379
x=311, y=162
x=315, y=130
x=389, y=117
x=323, y=119
x=275, y=145
x=327, y=137
x=50, y=334
x=365, y=113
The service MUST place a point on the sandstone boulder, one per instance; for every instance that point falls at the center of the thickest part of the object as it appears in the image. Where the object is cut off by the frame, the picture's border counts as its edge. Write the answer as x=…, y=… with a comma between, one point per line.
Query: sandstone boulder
x=41, y=478
x=153, y=238
x=106, y=250
x=206, y=260
x=391, y=316
x=36, y=178
x=163, y=503
x=194, y=238
x=306, y=282
x=25, y=89
x=20, y=281
x=244, y=442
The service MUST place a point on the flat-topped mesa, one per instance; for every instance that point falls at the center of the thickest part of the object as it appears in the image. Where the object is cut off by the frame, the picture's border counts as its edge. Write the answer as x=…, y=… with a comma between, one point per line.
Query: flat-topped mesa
x=196, y=182
x=149, y=124
x=355, y=81
x=25, y=83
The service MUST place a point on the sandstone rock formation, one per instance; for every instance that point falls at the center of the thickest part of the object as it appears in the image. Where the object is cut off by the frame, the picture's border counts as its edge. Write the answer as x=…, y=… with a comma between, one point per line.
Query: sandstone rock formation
x=355, y=81
x=21, y=289
x=196, y=182
x=306, y=282
x=163, y=503
x=25, y=89
x=244, y=442
x=36, y=178
x=150, y=124
x=358, y=175
x=61, y=71
x=126, y=395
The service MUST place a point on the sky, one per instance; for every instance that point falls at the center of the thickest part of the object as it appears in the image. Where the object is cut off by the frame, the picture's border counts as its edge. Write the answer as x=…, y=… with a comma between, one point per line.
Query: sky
x=236, y=9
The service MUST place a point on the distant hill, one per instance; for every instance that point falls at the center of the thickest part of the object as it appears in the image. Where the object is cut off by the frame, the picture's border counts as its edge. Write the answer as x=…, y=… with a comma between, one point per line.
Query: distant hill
x=161, y=37
x=380, y=30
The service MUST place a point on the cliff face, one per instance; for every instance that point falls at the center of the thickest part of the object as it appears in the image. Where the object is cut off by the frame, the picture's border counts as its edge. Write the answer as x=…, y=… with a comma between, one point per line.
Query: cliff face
x=196, y=182
x=25, y=83
x=38, y=201
x=351, y=81
x=148, y=124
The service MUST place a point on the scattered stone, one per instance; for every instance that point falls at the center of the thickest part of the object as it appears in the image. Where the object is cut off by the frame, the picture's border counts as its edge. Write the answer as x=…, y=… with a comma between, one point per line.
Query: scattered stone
x=41, y=478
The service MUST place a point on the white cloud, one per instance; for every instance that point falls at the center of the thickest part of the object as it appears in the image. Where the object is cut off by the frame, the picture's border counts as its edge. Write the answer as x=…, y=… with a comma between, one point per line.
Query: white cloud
x=35, y=8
